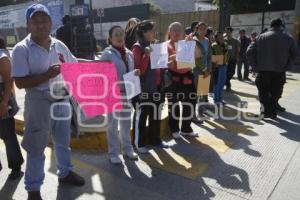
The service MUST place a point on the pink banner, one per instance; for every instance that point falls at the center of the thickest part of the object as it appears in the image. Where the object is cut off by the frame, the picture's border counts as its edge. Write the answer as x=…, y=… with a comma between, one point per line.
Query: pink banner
x=94, y=86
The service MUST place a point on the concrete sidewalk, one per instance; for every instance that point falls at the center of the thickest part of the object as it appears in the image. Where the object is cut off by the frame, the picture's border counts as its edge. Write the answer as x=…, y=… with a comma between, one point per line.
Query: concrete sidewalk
x=233, y=159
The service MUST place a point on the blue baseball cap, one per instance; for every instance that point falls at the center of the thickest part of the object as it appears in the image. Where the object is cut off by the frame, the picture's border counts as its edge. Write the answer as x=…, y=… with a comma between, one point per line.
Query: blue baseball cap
x=32, y=9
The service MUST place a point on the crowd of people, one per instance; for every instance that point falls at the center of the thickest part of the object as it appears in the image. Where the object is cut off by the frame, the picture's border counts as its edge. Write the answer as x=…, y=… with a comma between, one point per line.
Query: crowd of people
x=34, y=63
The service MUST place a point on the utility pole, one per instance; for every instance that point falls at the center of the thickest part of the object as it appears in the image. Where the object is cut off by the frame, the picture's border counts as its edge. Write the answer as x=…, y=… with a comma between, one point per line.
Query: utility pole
x=268, y=3
x=221, y=25
x=297, y=22
x=224, y=15
x=92, y=16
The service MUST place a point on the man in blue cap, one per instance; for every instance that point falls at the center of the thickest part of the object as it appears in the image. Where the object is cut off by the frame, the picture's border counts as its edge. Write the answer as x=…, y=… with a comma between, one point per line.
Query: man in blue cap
x=36, y=67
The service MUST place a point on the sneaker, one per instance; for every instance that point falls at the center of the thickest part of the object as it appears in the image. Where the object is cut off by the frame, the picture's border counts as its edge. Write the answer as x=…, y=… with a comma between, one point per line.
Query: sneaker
x=228, y=89
x=270, y=116
x=197, y=120
x=115, y=160
x=280, y=108
x=73, y=179
x=163, y=145
x=192, y=134
x=142, y=150
x=132, y=155
x=34, y=195
x=15, y=174
x=176, y=135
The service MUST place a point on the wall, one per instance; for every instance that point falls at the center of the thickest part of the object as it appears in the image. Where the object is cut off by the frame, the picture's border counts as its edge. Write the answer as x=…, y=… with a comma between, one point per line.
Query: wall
x=164, y=20
x=113, y=3
x=175, y=6
x=252, y=22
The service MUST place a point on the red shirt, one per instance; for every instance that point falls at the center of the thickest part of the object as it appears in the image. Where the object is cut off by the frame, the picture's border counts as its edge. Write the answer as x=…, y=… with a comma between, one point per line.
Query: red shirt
x=173, y=67
x=141, y=62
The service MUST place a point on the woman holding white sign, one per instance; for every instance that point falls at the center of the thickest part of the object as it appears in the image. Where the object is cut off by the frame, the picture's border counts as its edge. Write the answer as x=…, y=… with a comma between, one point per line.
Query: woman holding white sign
x=181, y=89
x=123, y=60
x=148, y=104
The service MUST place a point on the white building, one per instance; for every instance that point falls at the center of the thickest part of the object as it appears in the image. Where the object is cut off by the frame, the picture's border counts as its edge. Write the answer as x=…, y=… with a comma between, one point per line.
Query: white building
x=204, y=5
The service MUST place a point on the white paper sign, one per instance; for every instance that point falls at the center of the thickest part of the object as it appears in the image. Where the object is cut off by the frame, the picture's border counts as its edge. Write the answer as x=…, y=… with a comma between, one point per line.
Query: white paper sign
x=132, y=84
x=186, y=51
x=159, y=56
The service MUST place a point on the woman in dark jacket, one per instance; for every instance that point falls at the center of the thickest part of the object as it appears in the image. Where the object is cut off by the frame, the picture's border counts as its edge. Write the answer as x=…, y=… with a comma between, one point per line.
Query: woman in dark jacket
x=148, y=104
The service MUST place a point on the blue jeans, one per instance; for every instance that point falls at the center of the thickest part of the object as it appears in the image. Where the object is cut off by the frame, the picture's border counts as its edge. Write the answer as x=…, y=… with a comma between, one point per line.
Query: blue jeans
x=220, y=79
x=116, y=138
x=38, y=123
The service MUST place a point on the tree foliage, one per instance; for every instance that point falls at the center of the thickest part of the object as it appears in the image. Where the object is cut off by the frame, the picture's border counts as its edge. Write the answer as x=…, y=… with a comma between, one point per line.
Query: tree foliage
x=250, y=6
x=154, y=8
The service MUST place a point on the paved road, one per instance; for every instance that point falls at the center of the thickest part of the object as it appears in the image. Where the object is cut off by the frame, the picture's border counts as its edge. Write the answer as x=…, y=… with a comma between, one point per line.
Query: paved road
x=232, y=159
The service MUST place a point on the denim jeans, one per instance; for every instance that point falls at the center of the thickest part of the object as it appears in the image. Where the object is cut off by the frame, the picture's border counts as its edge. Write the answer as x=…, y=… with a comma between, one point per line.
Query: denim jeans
x=116, y=138
x=219, y=82
x=39, y=122
x=9, y=137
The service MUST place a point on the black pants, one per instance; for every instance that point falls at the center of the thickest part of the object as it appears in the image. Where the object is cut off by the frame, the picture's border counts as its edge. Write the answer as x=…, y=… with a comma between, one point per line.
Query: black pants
x=13, y=151
x=186, y=94
x=243, y=61
x=281, y=88
x=230, y=71
x=270, y=86
x=147, y=108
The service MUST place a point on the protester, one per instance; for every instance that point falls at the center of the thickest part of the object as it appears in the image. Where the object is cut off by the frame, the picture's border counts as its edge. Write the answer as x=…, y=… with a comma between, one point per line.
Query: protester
x=148, y=103
x=130, y=32
x=124, y=63
x=193, y=26
x=271, y=65
x=187, y=31
x=211, y=37
x=233, y=52
x=35, y=63
x=264, y=30
x=253, y=36
x=202, y=61
x=64, y=32
x=279, y=108
x=7, y=112
x=181, y=89
x=85, y=43
x=242, y=60
x=220, y=47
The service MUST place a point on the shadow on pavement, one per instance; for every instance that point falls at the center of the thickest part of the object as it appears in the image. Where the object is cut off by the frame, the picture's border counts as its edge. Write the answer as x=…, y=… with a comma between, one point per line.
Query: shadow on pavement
x=226, y=175
x=9, y=188
x=290, y=123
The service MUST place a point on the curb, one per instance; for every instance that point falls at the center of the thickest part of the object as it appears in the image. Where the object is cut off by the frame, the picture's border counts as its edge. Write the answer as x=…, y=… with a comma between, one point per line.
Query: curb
x=88, y=141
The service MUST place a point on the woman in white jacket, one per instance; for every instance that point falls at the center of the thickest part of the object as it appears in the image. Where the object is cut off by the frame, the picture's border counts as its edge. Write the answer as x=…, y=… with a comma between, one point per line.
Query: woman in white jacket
x=122, y=58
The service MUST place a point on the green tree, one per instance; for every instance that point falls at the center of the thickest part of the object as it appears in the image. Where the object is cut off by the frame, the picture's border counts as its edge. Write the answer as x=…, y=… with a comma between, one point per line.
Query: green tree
x=154, y=8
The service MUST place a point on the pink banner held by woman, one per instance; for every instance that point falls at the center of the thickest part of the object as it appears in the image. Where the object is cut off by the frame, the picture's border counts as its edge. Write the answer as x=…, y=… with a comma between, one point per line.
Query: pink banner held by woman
x=94, y=85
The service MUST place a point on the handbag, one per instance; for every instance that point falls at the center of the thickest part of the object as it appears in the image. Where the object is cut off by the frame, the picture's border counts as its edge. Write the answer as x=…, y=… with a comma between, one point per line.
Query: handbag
x=13, y=107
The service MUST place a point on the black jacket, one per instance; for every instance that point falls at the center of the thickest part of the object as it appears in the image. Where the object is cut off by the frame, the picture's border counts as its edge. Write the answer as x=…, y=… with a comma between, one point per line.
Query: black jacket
x=273, y=51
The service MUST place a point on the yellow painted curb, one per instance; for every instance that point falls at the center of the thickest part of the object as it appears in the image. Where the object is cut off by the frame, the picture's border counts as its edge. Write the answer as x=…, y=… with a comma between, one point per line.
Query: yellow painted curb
x=91, y=141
